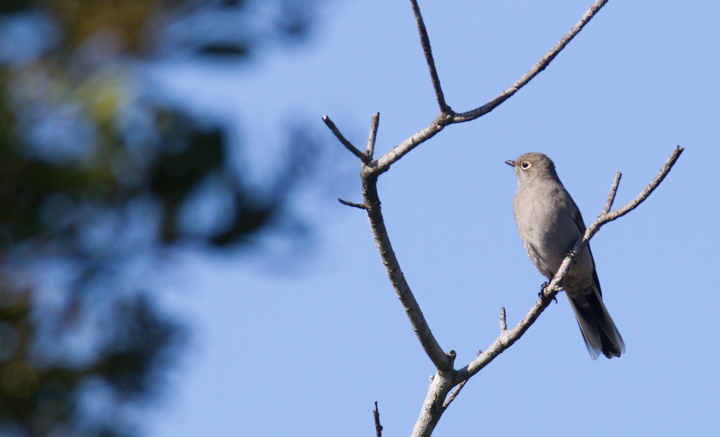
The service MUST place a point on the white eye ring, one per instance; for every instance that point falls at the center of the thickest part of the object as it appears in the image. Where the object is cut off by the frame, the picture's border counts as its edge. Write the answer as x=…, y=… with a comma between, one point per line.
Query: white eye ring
x=525, y=165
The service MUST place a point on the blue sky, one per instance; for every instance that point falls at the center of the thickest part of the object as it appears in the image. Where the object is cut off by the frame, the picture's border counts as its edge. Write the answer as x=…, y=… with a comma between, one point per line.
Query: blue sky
x=304, y=344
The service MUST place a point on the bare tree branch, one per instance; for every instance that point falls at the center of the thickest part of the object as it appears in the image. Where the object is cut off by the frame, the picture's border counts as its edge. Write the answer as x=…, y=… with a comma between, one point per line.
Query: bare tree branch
x=436, y=354
x=432, y=408
x=425, y=41
x=383, y=163
x=378, y=427
x=613, y=192
x=537, y=68
x=354, y=205
x=445, y=118
x=646, y=192
x=503, y=322
x=365, y=159
x=441, y=361
x=507, y=338
x=374, y=123
x=453, y=395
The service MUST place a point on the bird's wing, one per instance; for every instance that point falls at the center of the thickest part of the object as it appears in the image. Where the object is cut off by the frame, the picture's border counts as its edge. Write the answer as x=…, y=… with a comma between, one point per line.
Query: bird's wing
x=577, y=216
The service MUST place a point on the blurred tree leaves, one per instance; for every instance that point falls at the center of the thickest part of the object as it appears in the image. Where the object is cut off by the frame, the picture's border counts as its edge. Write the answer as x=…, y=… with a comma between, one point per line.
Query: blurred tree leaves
x=96, y=172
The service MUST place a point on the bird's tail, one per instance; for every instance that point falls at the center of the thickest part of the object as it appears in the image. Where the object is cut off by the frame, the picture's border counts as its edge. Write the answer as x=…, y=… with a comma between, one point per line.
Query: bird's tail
x=597, y=327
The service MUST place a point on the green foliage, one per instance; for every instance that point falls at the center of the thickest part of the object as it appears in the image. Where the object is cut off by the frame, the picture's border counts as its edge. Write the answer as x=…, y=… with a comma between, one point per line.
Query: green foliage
x=89, y=161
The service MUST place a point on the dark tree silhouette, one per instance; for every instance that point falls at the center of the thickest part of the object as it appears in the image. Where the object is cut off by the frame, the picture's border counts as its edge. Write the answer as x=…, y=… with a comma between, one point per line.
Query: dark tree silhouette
x=95, y=174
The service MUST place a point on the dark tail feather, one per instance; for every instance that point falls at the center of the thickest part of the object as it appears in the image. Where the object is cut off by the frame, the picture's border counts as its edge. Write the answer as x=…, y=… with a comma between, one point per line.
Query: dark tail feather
x=597, y=327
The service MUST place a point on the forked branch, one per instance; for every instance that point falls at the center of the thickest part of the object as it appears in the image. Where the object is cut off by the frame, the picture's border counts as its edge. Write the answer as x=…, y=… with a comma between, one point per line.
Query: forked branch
x=447, y=117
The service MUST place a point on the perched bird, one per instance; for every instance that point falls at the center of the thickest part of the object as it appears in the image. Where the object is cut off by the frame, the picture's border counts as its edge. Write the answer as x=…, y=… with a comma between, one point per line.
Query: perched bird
x=550, y=224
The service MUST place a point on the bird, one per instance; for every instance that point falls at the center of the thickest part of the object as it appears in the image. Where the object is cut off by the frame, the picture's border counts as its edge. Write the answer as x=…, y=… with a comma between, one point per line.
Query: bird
x=550, y=224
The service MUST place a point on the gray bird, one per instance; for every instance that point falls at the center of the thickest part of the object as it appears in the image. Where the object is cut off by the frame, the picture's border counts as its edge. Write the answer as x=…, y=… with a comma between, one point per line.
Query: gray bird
x=550, y=223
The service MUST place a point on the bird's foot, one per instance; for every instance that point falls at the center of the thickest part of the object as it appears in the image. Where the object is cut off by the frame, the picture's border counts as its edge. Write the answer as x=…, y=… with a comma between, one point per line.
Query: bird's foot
x=544, y=287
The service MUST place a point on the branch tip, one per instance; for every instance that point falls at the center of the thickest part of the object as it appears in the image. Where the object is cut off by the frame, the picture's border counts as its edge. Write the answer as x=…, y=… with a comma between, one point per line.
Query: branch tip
x=613, y=215
x=503, y=322
x=374, y=122
x=425, y=42
x=344, y=141
x=353, y=204
x=613, y=192
x=378, y=427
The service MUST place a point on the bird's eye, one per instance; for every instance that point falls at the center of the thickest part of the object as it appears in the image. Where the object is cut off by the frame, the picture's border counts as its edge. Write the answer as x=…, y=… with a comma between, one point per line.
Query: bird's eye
x=525, y=165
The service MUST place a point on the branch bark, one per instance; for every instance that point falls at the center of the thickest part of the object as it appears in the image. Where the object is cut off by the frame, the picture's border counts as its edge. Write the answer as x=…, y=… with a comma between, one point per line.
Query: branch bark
x=433, y=350
x=376, y=416
x=425, y=42
x=613, y=192
x=374, y=123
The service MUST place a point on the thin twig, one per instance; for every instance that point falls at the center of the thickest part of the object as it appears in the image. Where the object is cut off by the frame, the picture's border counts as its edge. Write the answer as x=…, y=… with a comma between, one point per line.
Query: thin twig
x=353, y=204
x=537, y=68
x=448, y=117
x=374, y=122
x=378, y=427
x=453, y=394
x=345, y=142
x=384, y=162
x=503, y=322
x=507, y=338
x=613, y=192
x=649, y=189
x=425, y=41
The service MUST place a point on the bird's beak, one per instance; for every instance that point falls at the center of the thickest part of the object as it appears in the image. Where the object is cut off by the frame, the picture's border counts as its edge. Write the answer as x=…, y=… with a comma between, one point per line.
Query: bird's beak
x=510, y=163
